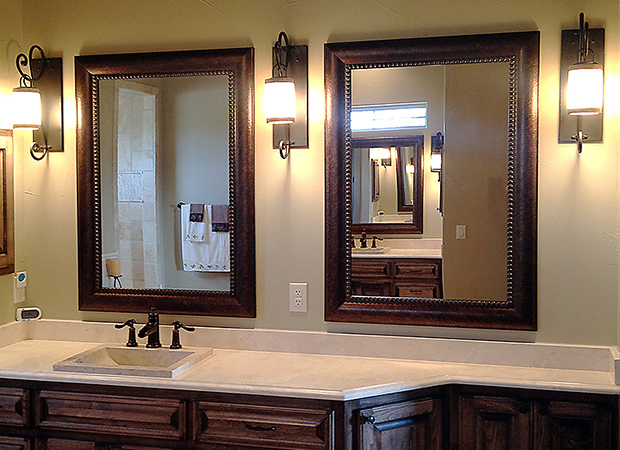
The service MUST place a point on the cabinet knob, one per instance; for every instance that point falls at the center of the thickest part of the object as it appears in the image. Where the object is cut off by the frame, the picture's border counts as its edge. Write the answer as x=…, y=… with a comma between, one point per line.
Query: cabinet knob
x=370, y=419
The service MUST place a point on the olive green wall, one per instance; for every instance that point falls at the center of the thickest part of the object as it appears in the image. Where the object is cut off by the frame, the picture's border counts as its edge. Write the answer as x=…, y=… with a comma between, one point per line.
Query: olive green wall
x=10, y=36
x=578, y=199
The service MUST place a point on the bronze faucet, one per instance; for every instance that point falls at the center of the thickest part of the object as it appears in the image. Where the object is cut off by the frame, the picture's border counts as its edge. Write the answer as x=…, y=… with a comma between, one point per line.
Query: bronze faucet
x=151, y=329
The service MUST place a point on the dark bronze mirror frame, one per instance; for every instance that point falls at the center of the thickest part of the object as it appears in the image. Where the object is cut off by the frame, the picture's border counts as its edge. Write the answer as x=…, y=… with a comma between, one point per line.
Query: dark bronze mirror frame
x=519, y=311
x=418, y=202
x=238, y=66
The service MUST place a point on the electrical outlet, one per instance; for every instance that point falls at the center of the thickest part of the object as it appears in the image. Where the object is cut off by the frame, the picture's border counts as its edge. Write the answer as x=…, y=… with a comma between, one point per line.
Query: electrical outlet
x=298, y=297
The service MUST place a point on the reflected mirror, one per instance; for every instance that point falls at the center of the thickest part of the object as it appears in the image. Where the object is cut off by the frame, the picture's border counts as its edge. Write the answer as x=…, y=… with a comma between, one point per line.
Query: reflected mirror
x=165, y=150
x=387, y=184
x=473, y=259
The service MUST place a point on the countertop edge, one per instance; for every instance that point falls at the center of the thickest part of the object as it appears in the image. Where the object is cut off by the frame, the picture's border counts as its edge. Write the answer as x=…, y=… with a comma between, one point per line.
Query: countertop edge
x=309, y=393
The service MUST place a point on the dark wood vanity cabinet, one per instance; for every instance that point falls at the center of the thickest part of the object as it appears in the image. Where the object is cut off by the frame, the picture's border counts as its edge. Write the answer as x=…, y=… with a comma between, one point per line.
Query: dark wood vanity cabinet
x=64, y=416
x=397, y=277
x=489, y=419
x=415, y=424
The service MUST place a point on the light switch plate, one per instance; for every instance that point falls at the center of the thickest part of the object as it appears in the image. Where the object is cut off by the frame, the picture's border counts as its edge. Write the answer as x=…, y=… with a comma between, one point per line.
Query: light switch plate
x=19, y=290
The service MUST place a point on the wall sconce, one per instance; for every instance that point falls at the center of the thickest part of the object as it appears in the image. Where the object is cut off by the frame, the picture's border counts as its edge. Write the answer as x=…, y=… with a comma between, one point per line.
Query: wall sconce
x=39, y=108
x=581, y=85
x=382, y=155
x=285, y=101
x=436, y=154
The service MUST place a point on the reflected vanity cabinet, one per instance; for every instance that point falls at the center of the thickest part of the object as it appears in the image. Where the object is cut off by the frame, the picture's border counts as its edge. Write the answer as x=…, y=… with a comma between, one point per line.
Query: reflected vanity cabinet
x=397, y=277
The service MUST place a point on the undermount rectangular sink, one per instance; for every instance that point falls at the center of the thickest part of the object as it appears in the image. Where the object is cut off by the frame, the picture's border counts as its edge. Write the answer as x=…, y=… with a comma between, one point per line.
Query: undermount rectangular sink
x=136, y=361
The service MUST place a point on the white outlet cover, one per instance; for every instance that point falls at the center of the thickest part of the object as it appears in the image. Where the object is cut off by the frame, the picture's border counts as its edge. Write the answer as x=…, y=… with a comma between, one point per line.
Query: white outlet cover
x=298, y=297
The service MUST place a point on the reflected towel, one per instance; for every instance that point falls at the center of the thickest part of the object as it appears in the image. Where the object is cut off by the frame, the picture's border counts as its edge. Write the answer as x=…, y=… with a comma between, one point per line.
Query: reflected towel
x=197, y=226
x=211, y=255
x=219, y=219
x=196, y=212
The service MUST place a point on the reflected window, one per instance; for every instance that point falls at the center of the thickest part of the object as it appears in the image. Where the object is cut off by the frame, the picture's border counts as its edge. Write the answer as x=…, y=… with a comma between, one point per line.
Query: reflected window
x=388, y=117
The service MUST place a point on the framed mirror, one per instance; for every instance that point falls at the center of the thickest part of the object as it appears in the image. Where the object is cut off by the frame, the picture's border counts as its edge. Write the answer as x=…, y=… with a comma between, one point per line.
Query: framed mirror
x=484, y=270
x=386, y=193
x=7, y=219
x=165, y=149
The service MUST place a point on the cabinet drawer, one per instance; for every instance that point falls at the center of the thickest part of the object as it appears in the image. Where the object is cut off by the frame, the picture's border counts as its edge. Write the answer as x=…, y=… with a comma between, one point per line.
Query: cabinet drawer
x=263, y=426
x=369, y=268
x=417, y=269
x=417, y=291
x=132, y=416
x=13, y=407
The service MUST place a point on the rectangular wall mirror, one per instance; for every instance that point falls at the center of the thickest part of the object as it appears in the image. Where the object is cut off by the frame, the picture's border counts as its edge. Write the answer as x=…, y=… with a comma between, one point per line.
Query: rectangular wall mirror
x=7, y=235
x=166, y=182
x=480, y=92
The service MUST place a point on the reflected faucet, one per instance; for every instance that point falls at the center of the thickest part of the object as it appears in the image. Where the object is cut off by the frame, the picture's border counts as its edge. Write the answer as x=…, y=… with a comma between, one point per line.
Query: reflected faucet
x=151, y=329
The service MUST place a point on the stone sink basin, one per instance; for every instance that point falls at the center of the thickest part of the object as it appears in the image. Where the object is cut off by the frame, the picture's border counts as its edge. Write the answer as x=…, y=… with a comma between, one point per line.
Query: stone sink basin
x=136, y=361
x=370, y=250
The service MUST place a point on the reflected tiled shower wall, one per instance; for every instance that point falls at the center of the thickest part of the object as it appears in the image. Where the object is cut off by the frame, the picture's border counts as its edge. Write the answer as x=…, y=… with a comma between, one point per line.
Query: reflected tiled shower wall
x=137, y=213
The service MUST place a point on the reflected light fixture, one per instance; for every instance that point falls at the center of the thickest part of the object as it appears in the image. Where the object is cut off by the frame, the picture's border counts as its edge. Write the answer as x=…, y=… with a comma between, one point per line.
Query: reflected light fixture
x=584, y=84
x=39, y=108
x=437, y=142
x=382, y=155
x=285, y=97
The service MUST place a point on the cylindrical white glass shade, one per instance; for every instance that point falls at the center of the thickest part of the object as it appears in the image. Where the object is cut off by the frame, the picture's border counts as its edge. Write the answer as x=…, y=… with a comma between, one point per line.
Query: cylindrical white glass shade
x=584, y=89
x=380, y=153
x=279, y=100
x=435, y=162
x=26, y=108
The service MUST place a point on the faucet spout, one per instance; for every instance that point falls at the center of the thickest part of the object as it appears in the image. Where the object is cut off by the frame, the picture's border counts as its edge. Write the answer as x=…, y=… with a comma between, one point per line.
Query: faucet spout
x=151, y=330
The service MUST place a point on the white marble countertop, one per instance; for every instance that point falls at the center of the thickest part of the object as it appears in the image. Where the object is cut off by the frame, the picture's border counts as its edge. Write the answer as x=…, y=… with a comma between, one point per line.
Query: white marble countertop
x=303, y=375
x=430, y=253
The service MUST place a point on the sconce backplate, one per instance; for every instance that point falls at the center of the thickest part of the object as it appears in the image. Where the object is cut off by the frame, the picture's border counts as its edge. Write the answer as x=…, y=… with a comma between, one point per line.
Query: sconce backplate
x=592, y=126
x=50, y=85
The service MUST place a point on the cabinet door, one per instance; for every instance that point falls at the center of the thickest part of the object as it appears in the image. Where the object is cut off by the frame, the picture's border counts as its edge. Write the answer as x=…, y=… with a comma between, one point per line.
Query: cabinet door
x=493, y=423
x=572, y=426
x=14, y=443
x=14, y=407
x=415, y=424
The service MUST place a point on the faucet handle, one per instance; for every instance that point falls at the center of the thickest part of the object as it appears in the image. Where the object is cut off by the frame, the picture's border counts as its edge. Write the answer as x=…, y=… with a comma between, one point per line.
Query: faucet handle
x=131, y=340
x=374, y=241
x=176, y=340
